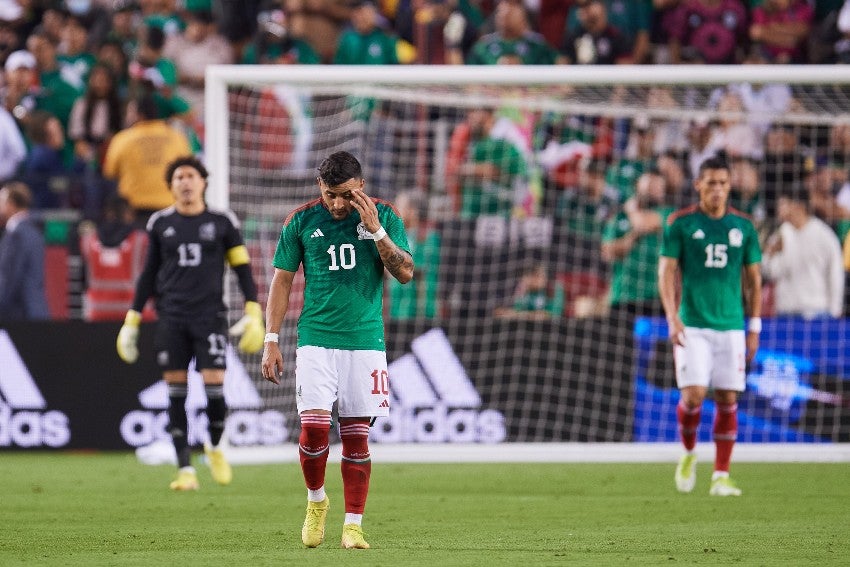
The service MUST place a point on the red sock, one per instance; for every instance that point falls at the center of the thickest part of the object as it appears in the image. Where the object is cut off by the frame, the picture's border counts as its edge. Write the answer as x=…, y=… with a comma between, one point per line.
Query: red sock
x=725, y=433
x=356, y=464
x=313, y=448
x=688, y=419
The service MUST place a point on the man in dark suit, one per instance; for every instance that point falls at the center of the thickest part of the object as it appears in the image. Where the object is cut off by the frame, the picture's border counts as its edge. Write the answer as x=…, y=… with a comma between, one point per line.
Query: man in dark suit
x=22, y=294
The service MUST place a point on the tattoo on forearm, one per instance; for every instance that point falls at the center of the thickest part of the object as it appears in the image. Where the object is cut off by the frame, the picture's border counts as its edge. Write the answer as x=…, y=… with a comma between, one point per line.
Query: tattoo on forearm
x=396, y=261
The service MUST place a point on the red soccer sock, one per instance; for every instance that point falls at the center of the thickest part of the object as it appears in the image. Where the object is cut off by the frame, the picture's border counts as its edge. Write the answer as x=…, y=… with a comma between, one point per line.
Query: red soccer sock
x=313, y=448
x=688, y=419
x=356, y=464
x=725, y=433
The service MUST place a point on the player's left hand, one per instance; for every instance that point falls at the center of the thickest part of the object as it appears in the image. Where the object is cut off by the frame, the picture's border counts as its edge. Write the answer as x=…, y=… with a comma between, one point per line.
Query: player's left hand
x=368, y=212
x=251, y=328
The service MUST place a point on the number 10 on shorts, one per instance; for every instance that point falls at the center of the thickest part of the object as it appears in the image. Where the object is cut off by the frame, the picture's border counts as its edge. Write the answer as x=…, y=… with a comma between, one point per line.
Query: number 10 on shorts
x=380, y=382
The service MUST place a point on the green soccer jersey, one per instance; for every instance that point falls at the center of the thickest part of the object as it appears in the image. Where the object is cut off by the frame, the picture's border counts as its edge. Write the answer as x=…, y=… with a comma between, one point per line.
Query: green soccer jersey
x=343, y=272
x=711, y=255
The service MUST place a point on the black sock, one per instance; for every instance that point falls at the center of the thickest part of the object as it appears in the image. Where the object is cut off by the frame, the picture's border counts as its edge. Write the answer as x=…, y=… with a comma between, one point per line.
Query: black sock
x=178, y=425
x=216, y=411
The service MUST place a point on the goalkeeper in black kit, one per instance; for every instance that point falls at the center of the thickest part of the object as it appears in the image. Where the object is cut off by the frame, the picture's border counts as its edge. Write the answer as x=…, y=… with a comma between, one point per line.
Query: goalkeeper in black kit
x=184, y=273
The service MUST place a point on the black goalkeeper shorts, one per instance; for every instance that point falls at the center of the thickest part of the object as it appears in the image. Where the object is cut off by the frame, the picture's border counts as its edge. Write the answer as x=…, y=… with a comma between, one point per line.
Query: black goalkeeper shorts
x=178, y=341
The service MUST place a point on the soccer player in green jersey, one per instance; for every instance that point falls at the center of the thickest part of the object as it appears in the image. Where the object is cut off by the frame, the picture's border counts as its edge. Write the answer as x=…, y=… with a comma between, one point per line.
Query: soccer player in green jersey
x=344, y=240
x=711, y=253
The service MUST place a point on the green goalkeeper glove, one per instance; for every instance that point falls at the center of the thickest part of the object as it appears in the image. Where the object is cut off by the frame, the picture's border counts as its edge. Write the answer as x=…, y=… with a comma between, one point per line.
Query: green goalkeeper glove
x=251, y=328
x=128, y=337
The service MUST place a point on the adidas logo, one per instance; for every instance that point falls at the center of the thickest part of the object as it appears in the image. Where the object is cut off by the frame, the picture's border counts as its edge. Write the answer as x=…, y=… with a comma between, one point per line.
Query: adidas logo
x=247, y=422
x=384, y=404
x=434, y=400
x=698, y=235
x=32, y=426
x=169, y=232
x=317, y=233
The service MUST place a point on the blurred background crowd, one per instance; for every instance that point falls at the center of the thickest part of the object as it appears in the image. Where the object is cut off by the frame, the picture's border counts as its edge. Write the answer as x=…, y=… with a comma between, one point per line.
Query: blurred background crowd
x=98, y=95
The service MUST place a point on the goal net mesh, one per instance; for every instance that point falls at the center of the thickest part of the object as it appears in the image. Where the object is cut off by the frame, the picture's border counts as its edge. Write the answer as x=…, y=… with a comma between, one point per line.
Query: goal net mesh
x=523, y=322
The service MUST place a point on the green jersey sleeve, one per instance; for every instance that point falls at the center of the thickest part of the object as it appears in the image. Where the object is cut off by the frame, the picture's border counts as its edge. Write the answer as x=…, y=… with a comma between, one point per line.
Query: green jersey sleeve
x=290, y=250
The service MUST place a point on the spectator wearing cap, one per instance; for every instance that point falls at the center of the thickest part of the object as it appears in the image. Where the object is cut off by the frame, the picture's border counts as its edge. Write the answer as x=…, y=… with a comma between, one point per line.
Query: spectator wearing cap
x=18, y=92
x=630, y=19
x=513, y=41
x=191, y=51
x=709, y=31
x=804, y=261
x=365, y=43
x=280, y=40
x=594, y=41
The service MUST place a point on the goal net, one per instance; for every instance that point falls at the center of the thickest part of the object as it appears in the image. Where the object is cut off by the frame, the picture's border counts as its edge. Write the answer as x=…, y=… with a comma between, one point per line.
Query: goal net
x=533, y=198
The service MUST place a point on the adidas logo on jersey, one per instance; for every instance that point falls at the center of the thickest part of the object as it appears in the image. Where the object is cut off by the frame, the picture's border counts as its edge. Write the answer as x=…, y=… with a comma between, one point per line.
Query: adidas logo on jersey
x=317, y=233
x=169, y=232
x=384, y=404
x=434, y=400
x=698, y=235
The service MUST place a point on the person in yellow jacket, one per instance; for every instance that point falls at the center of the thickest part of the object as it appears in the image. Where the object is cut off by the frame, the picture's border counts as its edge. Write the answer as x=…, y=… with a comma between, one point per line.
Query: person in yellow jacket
x=184, y=273
x=136, y=156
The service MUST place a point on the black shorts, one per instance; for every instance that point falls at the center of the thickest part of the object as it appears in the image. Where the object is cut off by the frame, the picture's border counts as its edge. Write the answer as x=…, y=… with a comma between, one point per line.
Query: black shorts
x=178, y=341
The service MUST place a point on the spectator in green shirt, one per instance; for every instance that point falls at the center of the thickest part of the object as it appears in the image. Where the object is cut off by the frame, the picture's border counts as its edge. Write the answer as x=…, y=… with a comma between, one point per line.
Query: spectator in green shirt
x=420, y=297
x=365, y=43
x=536, y=297
x=631, y=242
x=513, y=41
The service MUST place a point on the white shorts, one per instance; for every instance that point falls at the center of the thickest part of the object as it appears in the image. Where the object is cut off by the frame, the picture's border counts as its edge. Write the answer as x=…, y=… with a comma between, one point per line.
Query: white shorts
x=356, y=379
x=711, y=358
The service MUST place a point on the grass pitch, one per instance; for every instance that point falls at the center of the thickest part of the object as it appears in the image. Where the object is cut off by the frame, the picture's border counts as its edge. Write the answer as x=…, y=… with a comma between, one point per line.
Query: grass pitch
x=107, y=509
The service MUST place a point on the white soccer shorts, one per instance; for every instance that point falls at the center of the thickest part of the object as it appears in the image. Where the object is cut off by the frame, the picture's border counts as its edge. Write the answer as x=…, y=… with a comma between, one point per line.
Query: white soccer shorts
x=711, y=358
x=357, y=379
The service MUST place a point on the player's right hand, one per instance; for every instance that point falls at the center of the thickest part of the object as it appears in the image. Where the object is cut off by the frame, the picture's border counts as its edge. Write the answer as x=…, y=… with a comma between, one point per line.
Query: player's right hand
x=128, y=337
x=272, y=365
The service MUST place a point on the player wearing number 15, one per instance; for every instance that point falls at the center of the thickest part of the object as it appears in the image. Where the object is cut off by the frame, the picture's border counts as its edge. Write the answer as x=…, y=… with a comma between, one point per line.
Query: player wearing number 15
x=344, y=240
x=184, y=271
x=713, y=252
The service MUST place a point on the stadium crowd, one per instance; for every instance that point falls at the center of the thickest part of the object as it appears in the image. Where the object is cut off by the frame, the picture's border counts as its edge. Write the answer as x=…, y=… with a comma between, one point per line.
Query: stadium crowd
x=90, y=88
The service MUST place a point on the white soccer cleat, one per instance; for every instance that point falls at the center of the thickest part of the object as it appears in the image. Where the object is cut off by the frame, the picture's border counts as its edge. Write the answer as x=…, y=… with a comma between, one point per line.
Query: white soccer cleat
x=686, y=473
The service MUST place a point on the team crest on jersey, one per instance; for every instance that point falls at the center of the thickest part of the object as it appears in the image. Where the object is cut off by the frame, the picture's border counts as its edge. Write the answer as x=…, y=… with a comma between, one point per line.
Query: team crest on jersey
x=736, y=237
x=207, y=231
x=363, y=233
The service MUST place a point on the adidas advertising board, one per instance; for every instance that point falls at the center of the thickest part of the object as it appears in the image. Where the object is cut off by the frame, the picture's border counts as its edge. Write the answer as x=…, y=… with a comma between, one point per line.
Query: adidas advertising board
x=434, y=400
x=247, y=423
x=25, y=419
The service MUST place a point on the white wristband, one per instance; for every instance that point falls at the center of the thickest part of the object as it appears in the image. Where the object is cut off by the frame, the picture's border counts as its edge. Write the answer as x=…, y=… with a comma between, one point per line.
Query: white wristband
x=271, y=338
x=755, y=325
x=379, y=234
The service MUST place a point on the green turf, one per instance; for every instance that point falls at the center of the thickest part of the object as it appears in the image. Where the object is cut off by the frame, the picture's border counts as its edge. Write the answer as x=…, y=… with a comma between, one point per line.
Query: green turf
x=58, y=509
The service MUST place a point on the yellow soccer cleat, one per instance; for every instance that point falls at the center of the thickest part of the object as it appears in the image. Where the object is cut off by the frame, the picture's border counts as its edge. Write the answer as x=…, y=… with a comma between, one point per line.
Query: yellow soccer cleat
x=186, y=480
x=724, y=486
x=352, y=537
x=313, y=532
x=219, y=467
x=686, y=473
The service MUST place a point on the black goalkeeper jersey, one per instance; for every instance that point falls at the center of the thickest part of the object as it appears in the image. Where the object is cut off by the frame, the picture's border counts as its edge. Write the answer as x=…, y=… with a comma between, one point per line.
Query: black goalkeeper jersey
x=187, y=254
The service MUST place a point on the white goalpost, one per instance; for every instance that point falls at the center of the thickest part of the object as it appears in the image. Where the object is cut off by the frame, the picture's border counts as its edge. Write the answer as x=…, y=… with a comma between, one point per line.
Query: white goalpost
x=514, y=171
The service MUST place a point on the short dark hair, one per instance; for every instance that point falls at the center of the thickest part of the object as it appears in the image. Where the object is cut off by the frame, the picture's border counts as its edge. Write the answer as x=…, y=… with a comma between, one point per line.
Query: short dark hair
x=190, y=161
x=146, y=106
x=712, y=163
x=794, y=191
x=19, y=194
x=338, y=168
